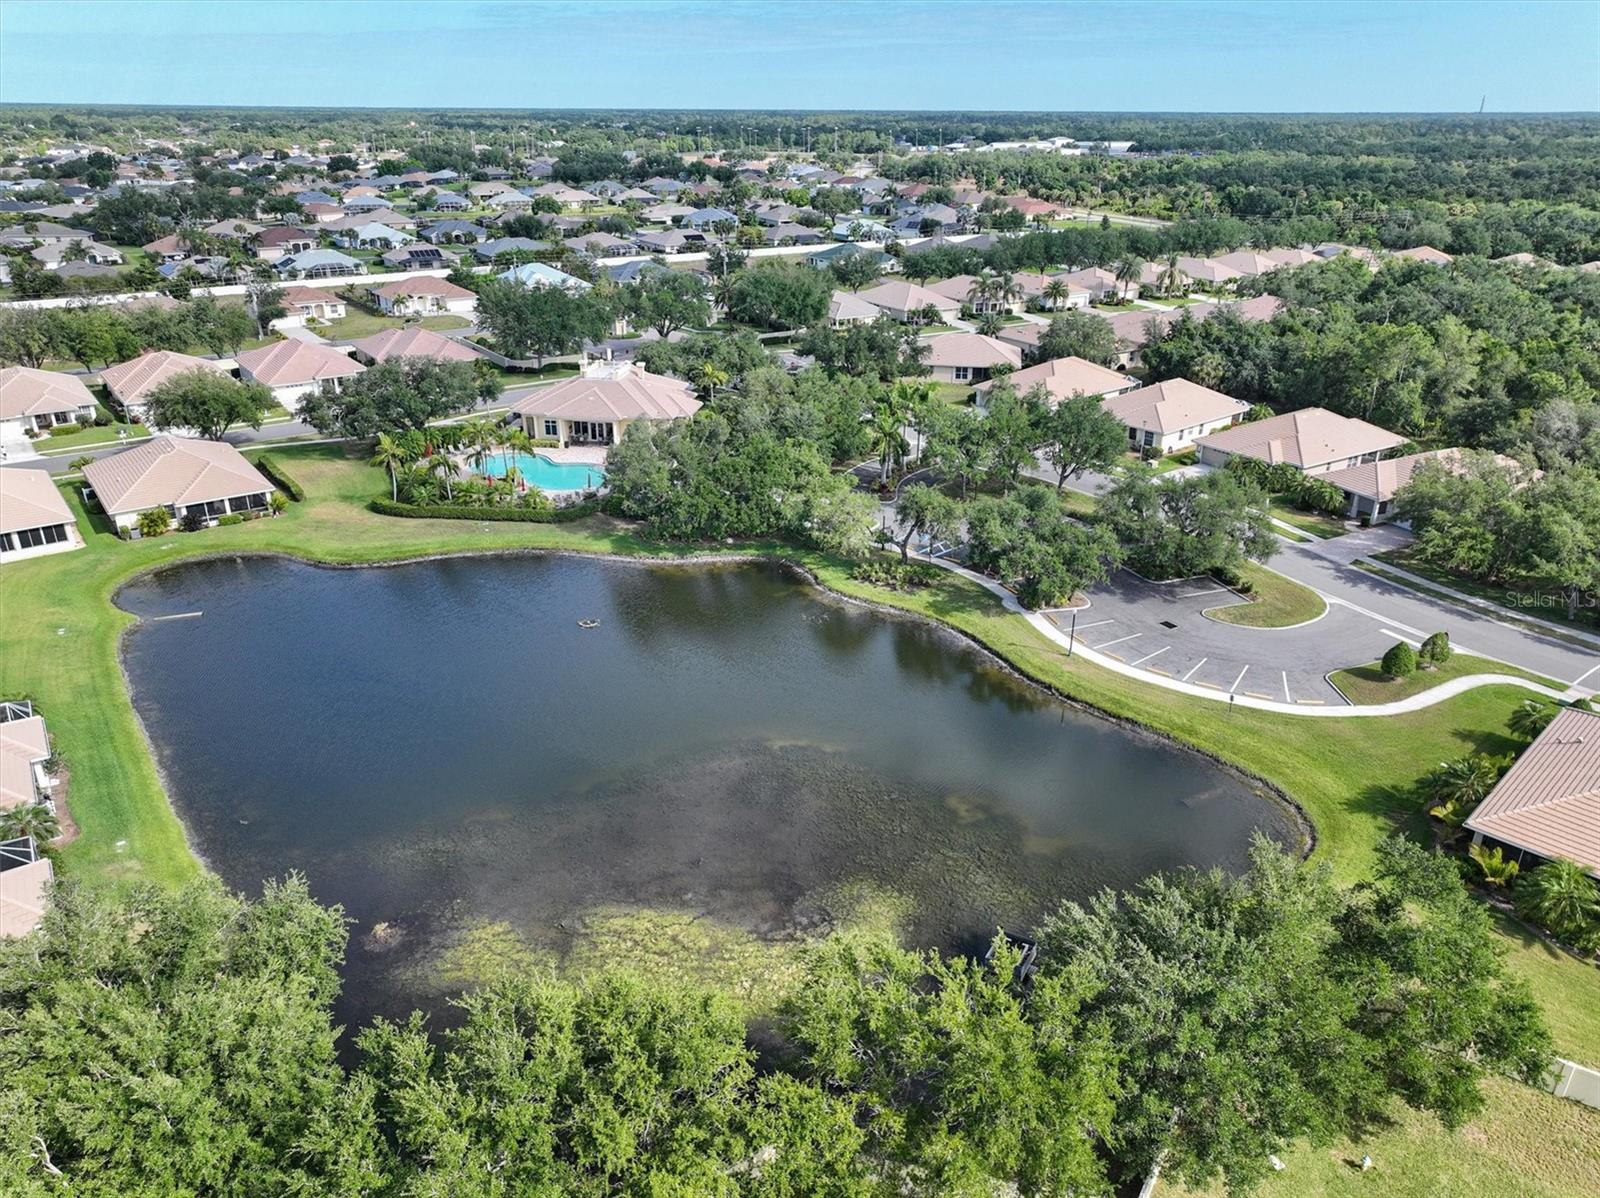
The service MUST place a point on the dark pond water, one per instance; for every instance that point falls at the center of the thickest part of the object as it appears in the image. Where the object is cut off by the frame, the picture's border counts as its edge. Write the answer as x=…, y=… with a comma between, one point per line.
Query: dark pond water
x=439, y=743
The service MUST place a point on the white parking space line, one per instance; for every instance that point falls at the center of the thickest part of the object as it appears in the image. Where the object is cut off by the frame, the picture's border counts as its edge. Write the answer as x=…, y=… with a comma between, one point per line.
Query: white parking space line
x=1238, y=680
x=1119, y=640
x=1286, y=697
x=1193, y=668
x=1197, y=594
x=1096, y=624
x=1400, y=636
x=1583, y=675
x=1148, y=656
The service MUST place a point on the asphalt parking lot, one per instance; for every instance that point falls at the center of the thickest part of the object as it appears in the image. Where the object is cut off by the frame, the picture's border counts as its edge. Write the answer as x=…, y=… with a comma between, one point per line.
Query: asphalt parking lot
x=1160, y=627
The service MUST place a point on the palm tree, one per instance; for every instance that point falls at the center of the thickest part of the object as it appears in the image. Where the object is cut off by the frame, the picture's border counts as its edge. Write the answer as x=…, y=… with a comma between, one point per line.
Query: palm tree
x=391, y=455
x=441, y=466
x=1055, y=291
x=1008, y=291
x=1171, y=280
x=990, y=323
x=1497, y=871
x=31, y=819
x=1128, y=270
x=887, y=438
x=708, y=376
x=917, y=401
x=983, y=290
x=481, y=439
x=1454, y=788
x=1530, y=718
x=1562, y=897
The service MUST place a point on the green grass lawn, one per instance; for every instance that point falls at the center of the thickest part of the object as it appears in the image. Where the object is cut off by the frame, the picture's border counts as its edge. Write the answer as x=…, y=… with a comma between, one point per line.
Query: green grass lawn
x=1525, y=1144
x=1352, y=777
x=1172, y=461
x=1368, y=683
x=1536, y=600
x=95, y=435
x=1277, y=602
x=1314, y=523
x=365, y=324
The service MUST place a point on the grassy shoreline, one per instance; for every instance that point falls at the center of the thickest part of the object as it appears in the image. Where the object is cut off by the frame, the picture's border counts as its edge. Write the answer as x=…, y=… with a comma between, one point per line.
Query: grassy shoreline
x=1350, y=777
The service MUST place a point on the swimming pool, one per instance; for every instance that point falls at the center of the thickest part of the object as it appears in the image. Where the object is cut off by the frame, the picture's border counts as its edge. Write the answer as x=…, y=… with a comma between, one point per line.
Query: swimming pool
x=541, y=472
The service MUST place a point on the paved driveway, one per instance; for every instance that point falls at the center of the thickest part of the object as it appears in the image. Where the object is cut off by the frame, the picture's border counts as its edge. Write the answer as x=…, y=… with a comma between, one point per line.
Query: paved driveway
x=1159, y=626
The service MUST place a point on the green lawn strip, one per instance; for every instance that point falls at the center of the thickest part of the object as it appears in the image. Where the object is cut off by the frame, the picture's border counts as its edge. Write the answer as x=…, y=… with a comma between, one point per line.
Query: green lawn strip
x=1555, y=613
x=1276, y=602
x=95, y=435
x=1314, y=523
x=1525, y=1143
x=363, y=324
x=1351, y=776
x=1368, y=684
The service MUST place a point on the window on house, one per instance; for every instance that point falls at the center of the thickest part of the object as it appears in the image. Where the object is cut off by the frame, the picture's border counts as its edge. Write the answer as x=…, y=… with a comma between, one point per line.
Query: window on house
x=552, y=429
x=963, y=373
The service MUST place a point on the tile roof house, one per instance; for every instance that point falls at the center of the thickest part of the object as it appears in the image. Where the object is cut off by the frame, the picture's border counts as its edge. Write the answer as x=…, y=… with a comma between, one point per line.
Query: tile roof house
x=34, y=518
x=25, y=878
x=1548, y=803
x=274, y=243
x=540, y=274
x=315, y=303
x=1167, y=417
x=24, y=748
x=596, y=409
x=1208, y=270
x=675, y=241
x=1099, y=282
x=292, y=370
x=448, y=232
x=423, y=296
x=906, y=301
x=319, y=264
x=1064, y=377
x=1249, y=263
x=787, y=233
x=600, y=245
x=32, y=400
x=1370, y=488
x=130, y=383
x=413, y=343
x=968, y=357
x=209, y=479
x=419, y=257
x=488, y=251
x=1314, y=440
x=1425, y=253
x=372, y=236
x=846, y=308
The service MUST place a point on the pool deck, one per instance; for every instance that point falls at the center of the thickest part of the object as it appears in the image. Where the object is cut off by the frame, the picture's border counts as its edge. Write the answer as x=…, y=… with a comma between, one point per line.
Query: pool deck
x=578, y=455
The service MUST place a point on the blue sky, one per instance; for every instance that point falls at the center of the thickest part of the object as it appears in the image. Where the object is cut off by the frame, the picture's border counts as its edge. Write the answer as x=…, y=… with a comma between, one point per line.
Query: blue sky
x=1395, y=55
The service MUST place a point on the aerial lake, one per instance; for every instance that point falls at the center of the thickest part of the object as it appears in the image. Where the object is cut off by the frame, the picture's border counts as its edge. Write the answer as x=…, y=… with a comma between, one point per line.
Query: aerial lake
x=440, y=747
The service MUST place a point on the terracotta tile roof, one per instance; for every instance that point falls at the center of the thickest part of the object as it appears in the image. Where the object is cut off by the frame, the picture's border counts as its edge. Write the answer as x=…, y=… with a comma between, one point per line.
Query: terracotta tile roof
x=28, y=392
x=1381, y=480
x=1064, y=377
x=627, y=394
x=971, y=349
x=24, y=887
x=414, y=343
x=1173, y=406
x=132, y=380
x=1309, y=437
x=295, y=296
x=22, y=742
x=286, y=363
x=427, y=285
x=1425, y=253
x=1549, y=801
x=907, y=297
x=29, y=499
x=175, y=470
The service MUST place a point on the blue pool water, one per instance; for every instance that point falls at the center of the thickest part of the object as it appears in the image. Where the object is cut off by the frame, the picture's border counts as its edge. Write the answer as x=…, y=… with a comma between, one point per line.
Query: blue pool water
x=541, y=472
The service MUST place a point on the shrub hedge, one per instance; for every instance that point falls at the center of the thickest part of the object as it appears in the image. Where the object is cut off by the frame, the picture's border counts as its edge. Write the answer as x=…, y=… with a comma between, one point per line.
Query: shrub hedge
x=456, y=511
x=268, y=465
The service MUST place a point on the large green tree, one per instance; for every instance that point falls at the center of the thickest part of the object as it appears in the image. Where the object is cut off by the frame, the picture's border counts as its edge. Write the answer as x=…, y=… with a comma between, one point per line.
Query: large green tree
x=207, y=401
x=394, y=396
